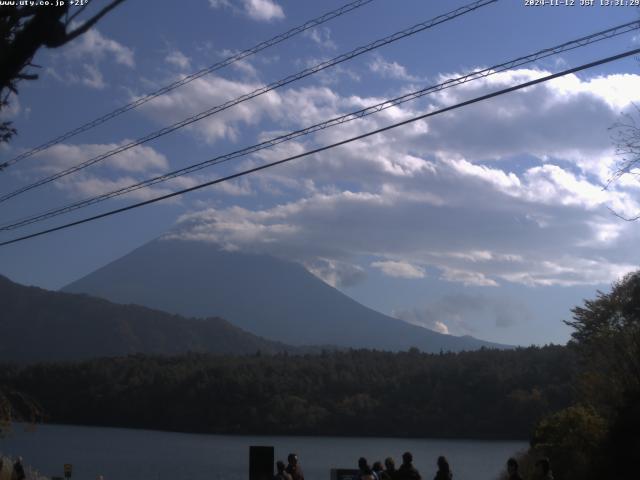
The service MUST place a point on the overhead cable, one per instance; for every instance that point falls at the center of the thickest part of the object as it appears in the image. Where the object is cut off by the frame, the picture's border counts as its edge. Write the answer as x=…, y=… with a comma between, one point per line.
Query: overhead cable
x=255, y=93
x=471, y=76
x=328, y=147
x=189, y=78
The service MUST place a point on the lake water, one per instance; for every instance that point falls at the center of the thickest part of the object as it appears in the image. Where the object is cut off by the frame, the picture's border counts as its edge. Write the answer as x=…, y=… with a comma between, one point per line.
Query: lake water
x=124, y=454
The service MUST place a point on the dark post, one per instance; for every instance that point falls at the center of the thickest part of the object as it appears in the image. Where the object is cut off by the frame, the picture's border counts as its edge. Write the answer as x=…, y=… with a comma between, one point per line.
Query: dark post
x=261, y=463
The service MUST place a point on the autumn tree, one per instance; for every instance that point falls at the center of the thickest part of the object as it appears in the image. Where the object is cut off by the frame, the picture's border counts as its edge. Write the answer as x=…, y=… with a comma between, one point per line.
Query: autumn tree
x=597, y=437
x=607, y=336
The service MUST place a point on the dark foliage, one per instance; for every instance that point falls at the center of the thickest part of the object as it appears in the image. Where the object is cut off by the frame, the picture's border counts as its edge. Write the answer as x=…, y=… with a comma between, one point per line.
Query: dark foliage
x=607, y=338
x=483, y=394
x=24, y=29
x=598, y=437
x=16, y=406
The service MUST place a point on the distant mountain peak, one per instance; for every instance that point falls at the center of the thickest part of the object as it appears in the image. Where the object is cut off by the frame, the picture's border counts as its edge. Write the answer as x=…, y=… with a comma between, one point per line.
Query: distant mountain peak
x=265, y=295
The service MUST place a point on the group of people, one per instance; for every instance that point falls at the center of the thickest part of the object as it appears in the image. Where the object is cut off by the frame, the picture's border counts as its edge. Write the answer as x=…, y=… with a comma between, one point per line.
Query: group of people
x=17, y=470
x=406, y=471
x=542, y=472
x=292, y=471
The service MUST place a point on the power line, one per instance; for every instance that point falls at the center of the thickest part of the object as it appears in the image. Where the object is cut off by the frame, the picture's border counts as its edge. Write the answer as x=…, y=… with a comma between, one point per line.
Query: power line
x=260, y=91
x=328, y=147
x=191, y=77
x=475, y=75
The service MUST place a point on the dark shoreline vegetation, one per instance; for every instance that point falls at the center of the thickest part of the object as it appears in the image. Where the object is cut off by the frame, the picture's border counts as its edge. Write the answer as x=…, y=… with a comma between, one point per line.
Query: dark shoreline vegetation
x=486, y=394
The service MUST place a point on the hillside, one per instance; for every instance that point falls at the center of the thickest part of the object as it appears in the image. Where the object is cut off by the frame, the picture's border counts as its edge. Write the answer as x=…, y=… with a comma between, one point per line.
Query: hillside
x=40, y=325
x=267, y=296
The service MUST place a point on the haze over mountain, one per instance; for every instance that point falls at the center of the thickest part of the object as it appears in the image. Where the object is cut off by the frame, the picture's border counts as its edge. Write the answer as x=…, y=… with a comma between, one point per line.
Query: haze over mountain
x=39, y=325
x=265, y=295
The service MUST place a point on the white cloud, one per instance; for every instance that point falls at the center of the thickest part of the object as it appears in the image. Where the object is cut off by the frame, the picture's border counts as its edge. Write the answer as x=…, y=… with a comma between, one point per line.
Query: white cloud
x=79, y=62
x=93, y=77
x=178, y=59
x=336, y=75
x=138, y=159
x=455, y=313
x=122, y=170
x=335, y=272
x=467, y=277
x=423, y=318
x=211, y=91
x=321, y=36
x=399, y=269
x=550, y=184
x=87, y=74
x=261, y=10
x=567, y=118
x=392, y=70
x=88, y=185
x=568, y=270
x=440, y=327
x=494, y=240
x=463, y=204
x=244, y=66
x=96, y=46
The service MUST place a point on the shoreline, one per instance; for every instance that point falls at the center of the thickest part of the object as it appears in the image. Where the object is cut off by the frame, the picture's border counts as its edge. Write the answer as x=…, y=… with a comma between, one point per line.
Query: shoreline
x=289, y=435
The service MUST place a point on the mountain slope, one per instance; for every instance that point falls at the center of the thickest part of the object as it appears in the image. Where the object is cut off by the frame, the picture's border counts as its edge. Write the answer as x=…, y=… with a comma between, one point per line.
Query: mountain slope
x=39, y=325
x=267, y=296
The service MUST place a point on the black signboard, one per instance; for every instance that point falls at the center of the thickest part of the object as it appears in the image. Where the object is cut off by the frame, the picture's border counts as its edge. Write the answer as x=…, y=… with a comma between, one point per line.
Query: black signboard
x=261, y=463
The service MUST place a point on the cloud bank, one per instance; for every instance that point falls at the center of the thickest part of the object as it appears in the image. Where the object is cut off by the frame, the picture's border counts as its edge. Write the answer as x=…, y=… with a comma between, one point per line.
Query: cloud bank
x=514, y=198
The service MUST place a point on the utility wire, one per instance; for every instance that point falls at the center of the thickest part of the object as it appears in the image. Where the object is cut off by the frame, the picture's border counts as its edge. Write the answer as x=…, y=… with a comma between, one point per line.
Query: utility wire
x=475, y=75
x=260, y=91
x=191, y=77
x=333, y=145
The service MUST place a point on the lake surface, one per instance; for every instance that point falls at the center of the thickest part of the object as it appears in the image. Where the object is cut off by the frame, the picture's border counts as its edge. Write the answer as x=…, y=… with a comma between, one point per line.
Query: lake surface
x=124, y=454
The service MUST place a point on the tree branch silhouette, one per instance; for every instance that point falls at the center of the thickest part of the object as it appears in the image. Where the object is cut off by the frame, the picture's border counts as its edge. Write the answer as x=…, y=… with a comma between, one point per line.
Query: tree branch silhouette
x=23, y=31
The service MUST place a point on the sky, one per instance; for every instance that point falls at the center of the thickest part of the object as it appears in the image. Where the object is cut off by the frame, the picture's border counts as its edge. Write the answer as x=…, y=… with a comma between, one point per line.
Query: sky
x=491, y=220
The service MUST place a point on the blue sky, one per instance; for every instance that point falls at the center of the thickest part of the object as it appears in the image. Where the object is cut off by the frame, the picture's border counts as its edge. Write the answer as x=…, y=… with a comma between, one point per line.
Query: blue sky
x=489, y=221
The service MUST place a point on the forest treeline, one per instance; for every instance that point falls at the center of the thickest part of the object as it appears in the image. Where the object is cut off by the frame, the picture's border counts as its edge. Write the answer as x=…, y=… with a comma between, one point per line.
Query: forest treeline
x=479, y=394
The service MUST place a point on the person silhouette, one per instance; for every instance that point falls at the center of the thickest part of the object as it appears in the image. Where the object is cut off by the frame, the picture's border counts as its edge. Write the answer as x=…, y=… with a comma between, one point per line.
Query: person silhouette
x=390, y=468
x=18, y=470
x=364, y=470
x=293, y=468
x=282, y=473
x=379, y=472
x=543, y=469
x=407, y=471
x=444, y=471
x=512, y=469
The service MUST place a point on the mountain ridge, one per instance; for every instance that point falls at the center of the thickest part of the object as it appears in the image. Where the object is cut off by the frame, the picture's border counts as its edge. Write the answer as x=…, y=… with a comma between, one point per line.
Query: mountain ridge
x=41, y=325
x=265, y=295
